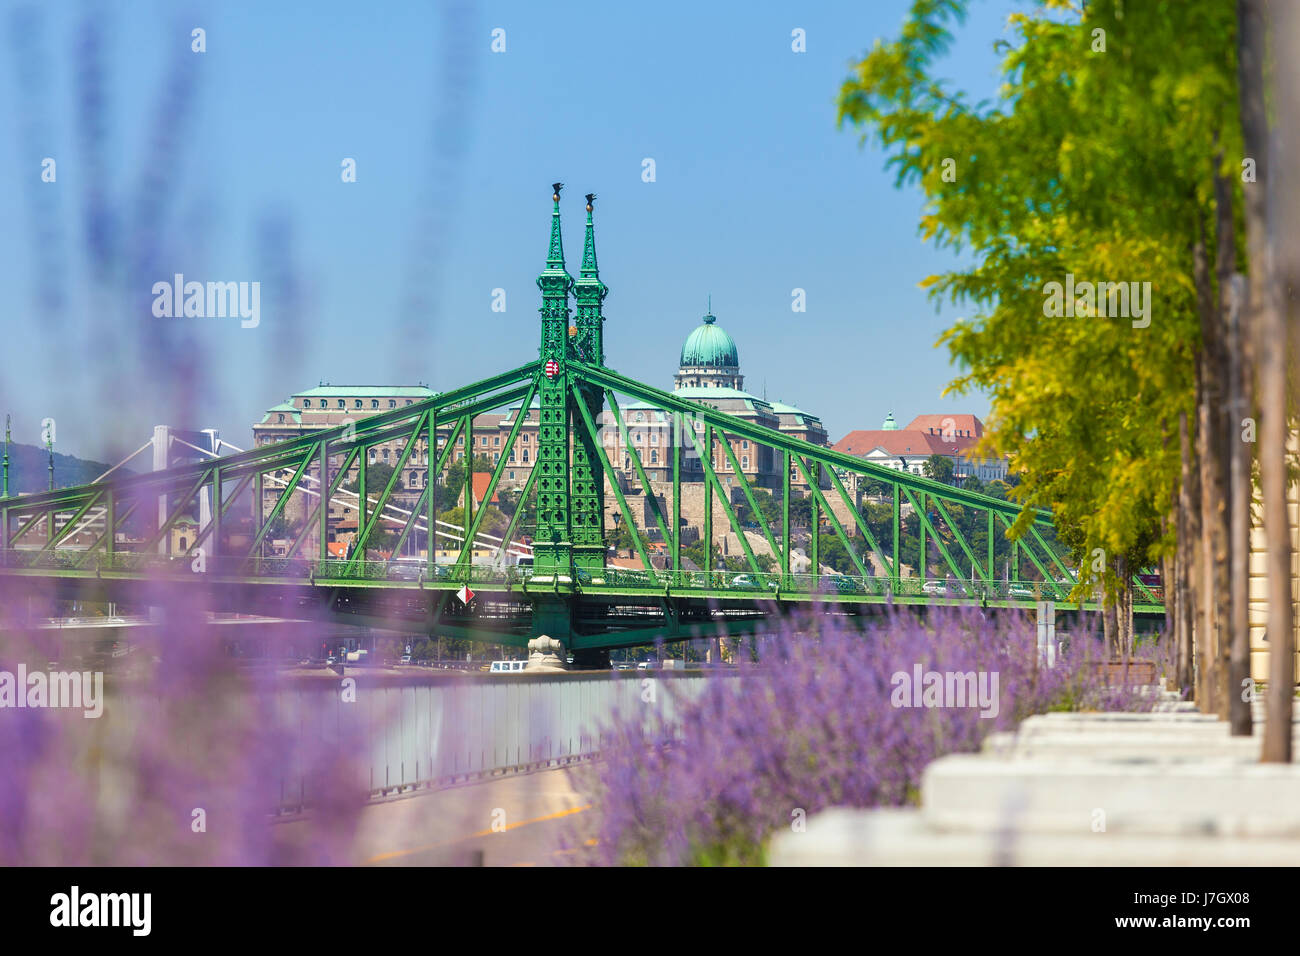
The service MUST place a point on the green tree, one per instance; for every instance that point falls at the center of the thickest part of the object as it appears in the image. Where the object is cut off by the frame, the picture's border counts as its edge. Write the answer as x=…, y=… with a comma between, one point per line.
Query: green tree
x=768, y=507
x=378, y=474
x=450, y=488
x=939, y=468
x=1109, y=165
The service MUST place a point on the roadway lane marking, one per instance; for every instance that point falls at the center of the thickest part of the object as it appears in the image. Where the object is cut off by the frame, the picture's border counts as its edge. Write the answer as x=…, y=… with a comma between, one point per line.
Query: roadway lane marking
x=394, y=854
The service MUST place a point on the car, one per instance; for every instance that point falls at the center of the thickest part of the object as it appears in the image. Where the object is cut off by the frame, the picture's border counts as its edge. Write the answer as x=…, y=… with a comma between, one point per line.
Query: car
x=1020, y=591
x=747, y=581
x=944, y=589
x=406, y=659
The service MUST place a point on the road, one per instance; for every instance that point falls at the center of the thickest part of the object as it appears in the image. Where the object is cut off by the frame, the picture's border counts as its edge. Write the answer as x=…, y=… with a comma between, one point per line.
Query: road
x=532, y=819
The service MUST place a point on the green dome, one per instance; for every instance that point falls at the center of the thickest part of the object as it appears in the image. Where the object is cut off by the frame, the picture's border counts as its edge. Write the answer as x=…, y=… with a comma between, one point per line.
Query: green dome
x=710, y=346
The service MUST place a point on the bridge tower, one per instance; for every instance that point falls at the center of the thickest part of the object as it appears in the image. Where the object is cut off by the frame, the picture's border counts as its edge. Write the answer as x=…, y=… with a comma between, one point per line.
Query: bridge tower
x=553, y=549
x=587, y=489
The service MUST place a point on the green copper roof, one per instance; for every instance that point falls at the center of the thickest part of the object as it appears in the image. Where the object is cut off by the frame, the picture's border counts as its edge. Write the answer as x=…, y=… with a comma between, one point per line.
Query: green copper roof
x=703, y=393
x=283, y=408
x=889, y=424
x=782, y=408
x=710, y=346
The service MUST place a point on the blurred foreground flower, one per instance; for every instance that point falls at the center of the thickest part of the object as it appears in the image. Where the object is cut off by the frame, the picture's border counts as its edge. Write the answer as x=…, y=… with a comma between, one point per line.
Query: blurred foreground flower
x=812, y=723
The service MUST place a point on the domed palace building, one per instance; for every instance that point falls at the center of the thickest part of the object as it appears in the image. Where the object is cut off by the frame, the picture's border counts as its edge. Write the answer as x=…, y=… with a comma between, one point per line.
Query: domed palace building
x=709, y=373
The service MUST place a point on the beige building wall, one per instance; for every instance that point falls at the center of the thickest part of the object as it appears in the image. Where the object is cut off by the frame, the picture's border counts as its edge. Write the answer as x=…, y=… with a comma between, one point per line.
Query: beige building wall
x=1259, y=662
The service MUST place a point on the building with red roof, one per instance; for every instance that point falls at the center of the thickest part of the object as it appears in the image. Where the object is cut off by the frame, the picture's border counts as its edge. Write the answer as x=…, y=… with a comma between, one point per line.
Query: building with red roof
x=954, y=436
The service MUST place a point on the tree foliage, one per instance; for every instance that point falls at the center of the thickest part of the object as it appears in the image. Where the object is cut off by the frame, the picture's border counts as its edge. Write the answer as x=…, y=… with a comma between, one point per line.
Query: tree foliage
x=1095, y=163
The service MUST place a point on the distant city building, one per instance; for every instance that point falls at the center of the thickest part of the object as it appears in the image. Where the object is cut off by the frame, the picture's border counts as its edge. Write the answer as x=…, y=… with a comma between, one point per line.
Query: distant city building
x=709, y=373
x=952, y=436
x=329, y=406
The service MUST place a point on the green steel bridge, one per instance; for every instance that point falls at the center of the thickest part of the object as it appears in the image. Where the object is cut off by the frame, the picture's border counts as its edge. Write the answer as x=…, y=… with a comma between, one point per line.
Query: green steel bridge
x=65, y=543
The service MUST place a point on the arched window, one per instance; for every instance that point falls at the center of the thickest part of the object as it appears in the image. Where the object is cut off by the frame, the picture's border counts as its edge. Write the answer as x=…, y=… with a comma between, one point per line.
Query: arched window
x=282, y=418
x=392, y=403
x=374, y=403
x=654, y=456
x=342, y=404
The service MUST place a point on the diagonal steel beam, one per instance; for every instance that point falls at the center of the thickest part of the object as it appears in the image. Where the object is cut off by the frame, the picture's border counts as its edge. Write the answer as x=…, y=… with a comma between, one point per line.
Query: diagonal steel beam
x=835, y=522
x=618, y=493
x=934, y=533
x=182, y=505
x=363, y=541
x=282, y=500
x=72, y=522
x=636, y=461
x=712, y=485
x=471, y=531
x=961, y=540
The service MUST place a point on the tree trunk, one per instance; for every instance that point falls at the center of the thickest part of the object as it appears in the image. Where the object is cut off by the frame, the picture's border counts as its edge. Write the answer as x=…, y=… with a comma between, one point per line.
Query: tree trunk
x=1189, y=533
x=1108, y=624
x=1226, y=439
x=1232, y=537
x=1213, y=490
x=1239, y=513
x=1179, y=583
x=1270, y=275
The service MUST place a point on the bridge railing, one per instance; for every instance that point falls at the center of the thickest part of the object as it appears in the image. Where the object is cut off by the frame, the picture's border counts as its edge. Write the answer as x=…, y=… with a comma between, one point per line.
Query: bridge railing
x=745, y=584
x=748, y=583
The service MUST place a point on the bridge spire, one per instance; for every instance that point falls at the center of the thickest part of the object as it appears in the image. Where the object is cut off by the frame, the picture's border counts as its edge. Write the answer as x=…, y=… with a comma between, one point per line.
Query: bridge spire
x=555, y=257
x=5, y=492
x=587, y=492
x=553, y=549
x=590, y=292
x=589, y=269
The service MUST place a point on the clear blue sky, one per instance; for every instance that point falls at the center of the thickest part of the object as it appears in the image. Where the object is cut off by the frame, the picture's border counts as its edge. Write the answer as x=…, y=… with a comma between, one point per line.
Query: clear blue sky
x=225, y=166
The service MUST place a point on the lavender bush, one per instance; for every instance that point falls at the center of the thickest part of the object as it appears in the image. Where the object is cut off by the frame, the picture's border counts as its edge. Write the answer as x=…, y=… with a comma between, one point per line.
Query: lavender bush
x=813, y=724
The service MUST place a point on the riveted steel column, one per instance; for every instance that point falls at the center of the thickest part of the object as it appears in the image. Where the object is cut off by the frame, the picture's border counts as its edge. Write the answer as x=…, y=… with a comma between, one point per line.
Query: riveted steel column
x=920, y=523
x=431, y=475
x=466, y=545
x=898, y=564
x=990, y=534
x=110, y=516
x=215, y=546
x=323, y=551
x=552, y=550
x=816, y=523
x=785, y=517
x=258, y=509
x=708, y=501
x=363, y=496
x=677, y=491
x=587, y=482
